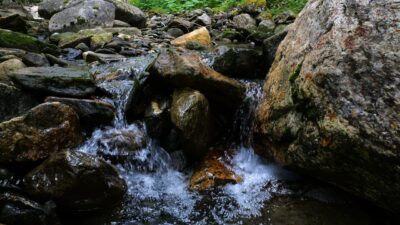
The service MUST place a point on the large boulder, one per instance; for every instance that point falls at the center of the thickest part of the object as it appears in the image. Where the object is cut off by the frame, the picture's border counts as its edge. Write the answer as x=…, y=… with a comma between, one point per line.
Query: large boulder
x=56, y=80
x=14, y=102
x=85, y=15
x=185, y=69
x=191, y=114
x=45, y=129
x=47, y=8
x=331, y=101
x=76, y=182
x=129, y=14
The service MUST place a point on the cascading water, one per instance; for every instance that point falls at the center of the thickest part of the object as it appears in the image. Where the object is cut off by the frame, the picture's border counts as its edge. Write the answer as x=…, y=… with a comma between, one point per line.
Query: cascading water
x=158, y=181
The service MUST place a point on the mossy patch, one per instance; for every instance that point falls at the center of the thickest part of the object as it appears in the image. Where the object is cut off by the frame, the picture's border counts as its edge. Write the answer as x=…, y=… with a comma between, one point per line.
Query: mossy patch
x=22, y=41
x=296, y=73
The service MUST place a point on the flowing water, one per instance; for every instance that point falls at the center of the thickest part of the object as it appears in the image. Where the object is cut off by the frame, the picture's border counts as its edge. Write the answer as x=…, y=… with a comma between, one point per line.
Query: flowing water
x=158, y=181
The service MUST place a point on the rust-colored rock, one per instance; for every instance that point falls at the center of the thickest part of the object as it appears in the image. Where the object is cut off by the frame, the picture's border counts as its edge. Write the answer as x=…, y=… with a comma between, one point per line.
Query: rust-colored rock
x=212, y=172
x=200, y=36
x=45, y=129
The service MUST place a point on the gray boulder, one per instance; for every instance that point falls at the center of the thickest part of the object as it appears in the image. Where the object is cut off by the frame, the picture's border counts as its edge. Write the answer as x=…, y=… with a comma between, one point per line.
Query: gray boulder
x=129, y=14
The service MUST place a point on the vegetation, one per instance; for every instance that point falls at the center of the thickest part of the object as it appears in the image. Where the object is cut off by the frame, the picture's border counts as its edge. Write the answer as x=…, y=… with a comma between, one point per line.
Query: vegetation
x=274, y=6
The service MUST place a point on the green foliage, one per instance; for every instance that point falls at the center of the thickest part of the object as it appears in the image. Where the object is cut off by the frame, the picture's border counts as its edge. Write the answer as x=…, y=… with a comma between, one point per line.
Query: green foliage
x=279, y=6
x=181, y=5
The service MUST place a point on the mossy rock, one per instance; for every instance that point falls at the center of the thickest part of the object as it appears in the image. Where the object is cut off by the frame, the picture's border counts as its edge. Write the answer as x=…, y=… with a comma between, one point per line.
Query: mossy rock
x=12, y=39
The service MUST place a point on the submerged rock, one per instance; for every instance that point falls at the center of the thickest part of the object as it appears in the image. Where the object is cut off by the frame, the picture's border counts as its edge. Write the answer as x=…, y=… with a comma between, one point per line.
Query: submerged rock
x=200, y=36
x=56, y=81
x=14, y=102
x=18, y=210
x=331, y=100
x=91, y=112
x=186, y=70
x=45, y=129
x=212, y=172
x=87, y=14
x=191, y=114
x=76, y=182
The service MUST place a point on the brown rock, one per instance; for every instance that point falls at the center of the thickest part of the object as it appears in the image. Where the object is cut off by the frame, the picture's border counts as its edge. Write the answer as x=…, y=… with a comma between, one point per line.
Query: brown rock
x=200, y=36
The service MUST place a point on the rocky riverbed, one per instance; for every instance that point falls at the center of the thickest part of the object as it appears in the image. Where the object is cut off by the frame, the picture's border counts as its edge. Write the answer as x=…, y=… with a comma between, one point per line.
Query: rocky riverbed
x=112, y=115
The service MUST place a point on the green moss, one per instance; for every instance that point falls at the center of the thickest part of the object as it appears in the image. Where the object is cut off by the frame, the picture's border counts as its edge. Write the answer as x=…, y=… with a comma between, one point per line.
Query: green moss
x=296, y=73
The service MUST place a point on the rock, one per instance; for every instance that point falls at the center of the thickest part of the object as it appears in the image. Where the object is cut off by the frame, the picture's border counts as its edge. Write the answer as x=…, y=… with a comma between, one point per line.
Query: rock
x=266, y=26
x=101, y=57
x=119, y=23
x=186, y=70
x=200, y=36
x=35, y=59
x=82, y=46
x=91, y=112
x=129, y=14
x=7, y=67
x=175, y=32
x=285, y=17
x=240, y=61
x=11, y=39
x=70, y=39
x=57, y=61
x=270, y=46
x=191, y=114
x=158, y=118
x=47, y=8
x=85, y=15
x=14, y=19
x=14, y=102
x=99, y=40
x=12, y=52
x=16, y=209
x=212, y=172
x=180, y=23
x=56, y=80
x=331, y=106
x=244, y=22
x=76, y=182
x=203, y=20
x=132, y=31
x=45, y=129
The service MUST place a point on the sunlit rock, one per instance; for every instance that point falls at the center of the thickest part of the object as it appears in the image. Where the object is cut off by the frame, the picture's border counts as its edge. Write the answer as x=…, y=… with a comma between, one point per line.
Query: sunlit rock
x=200, y=36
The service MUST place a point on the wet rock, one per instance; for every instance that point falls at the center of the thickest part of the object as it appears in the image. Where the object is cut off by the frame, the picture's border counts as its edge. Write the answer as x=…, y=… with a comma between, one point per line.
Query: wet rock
x=331, y=106
x=83, y=47
x=7, y=67
x=91, y=112
x=129, y=14
x=270, y=46
x=212, y=172
x=47, y=8
x=55, y=80
x=191, y=114
x=175, y=32
x=85, y=15
x=18, y=210
x=180, y=23
x=200, y=36
x=11, y=39
x=14, y=102
x=244, y=22
x=35, y=59
x=76, y=182
x=102, y=57
x=157, y=118
x=57, y=61
x=45, y=129
x=240, y=61
x=185, y=69
x=15, y=19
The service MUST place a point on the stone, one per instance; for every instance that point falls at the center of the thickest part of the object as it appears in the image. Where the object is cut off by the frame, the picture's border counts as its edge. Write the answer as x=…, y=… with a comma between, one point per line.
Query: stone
x=185, y=69
x=203, y=20
x=85, y=15
x=18, y=53
x=244, y=22
x=70, y=39
x=266, y=26
x=331, y=100
x=101, y=57
x=99, y=40
x=35, y=59
x=45, y=129
x=191, y=114
x=132, y=31
x=180, y=23
x=212, y=172
x=157, y=118
x=240, y=61
x=15, y=19
x=10, y=39
x=14, y=102
x=119, y=23
x=47, y=8
x=17, y=209
x=129, y=14
x=270, y=46
x=91, y=112
x=175, y=32
x=200, y=36
x=7, y=67
x=58, y=81
x=77, y=182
